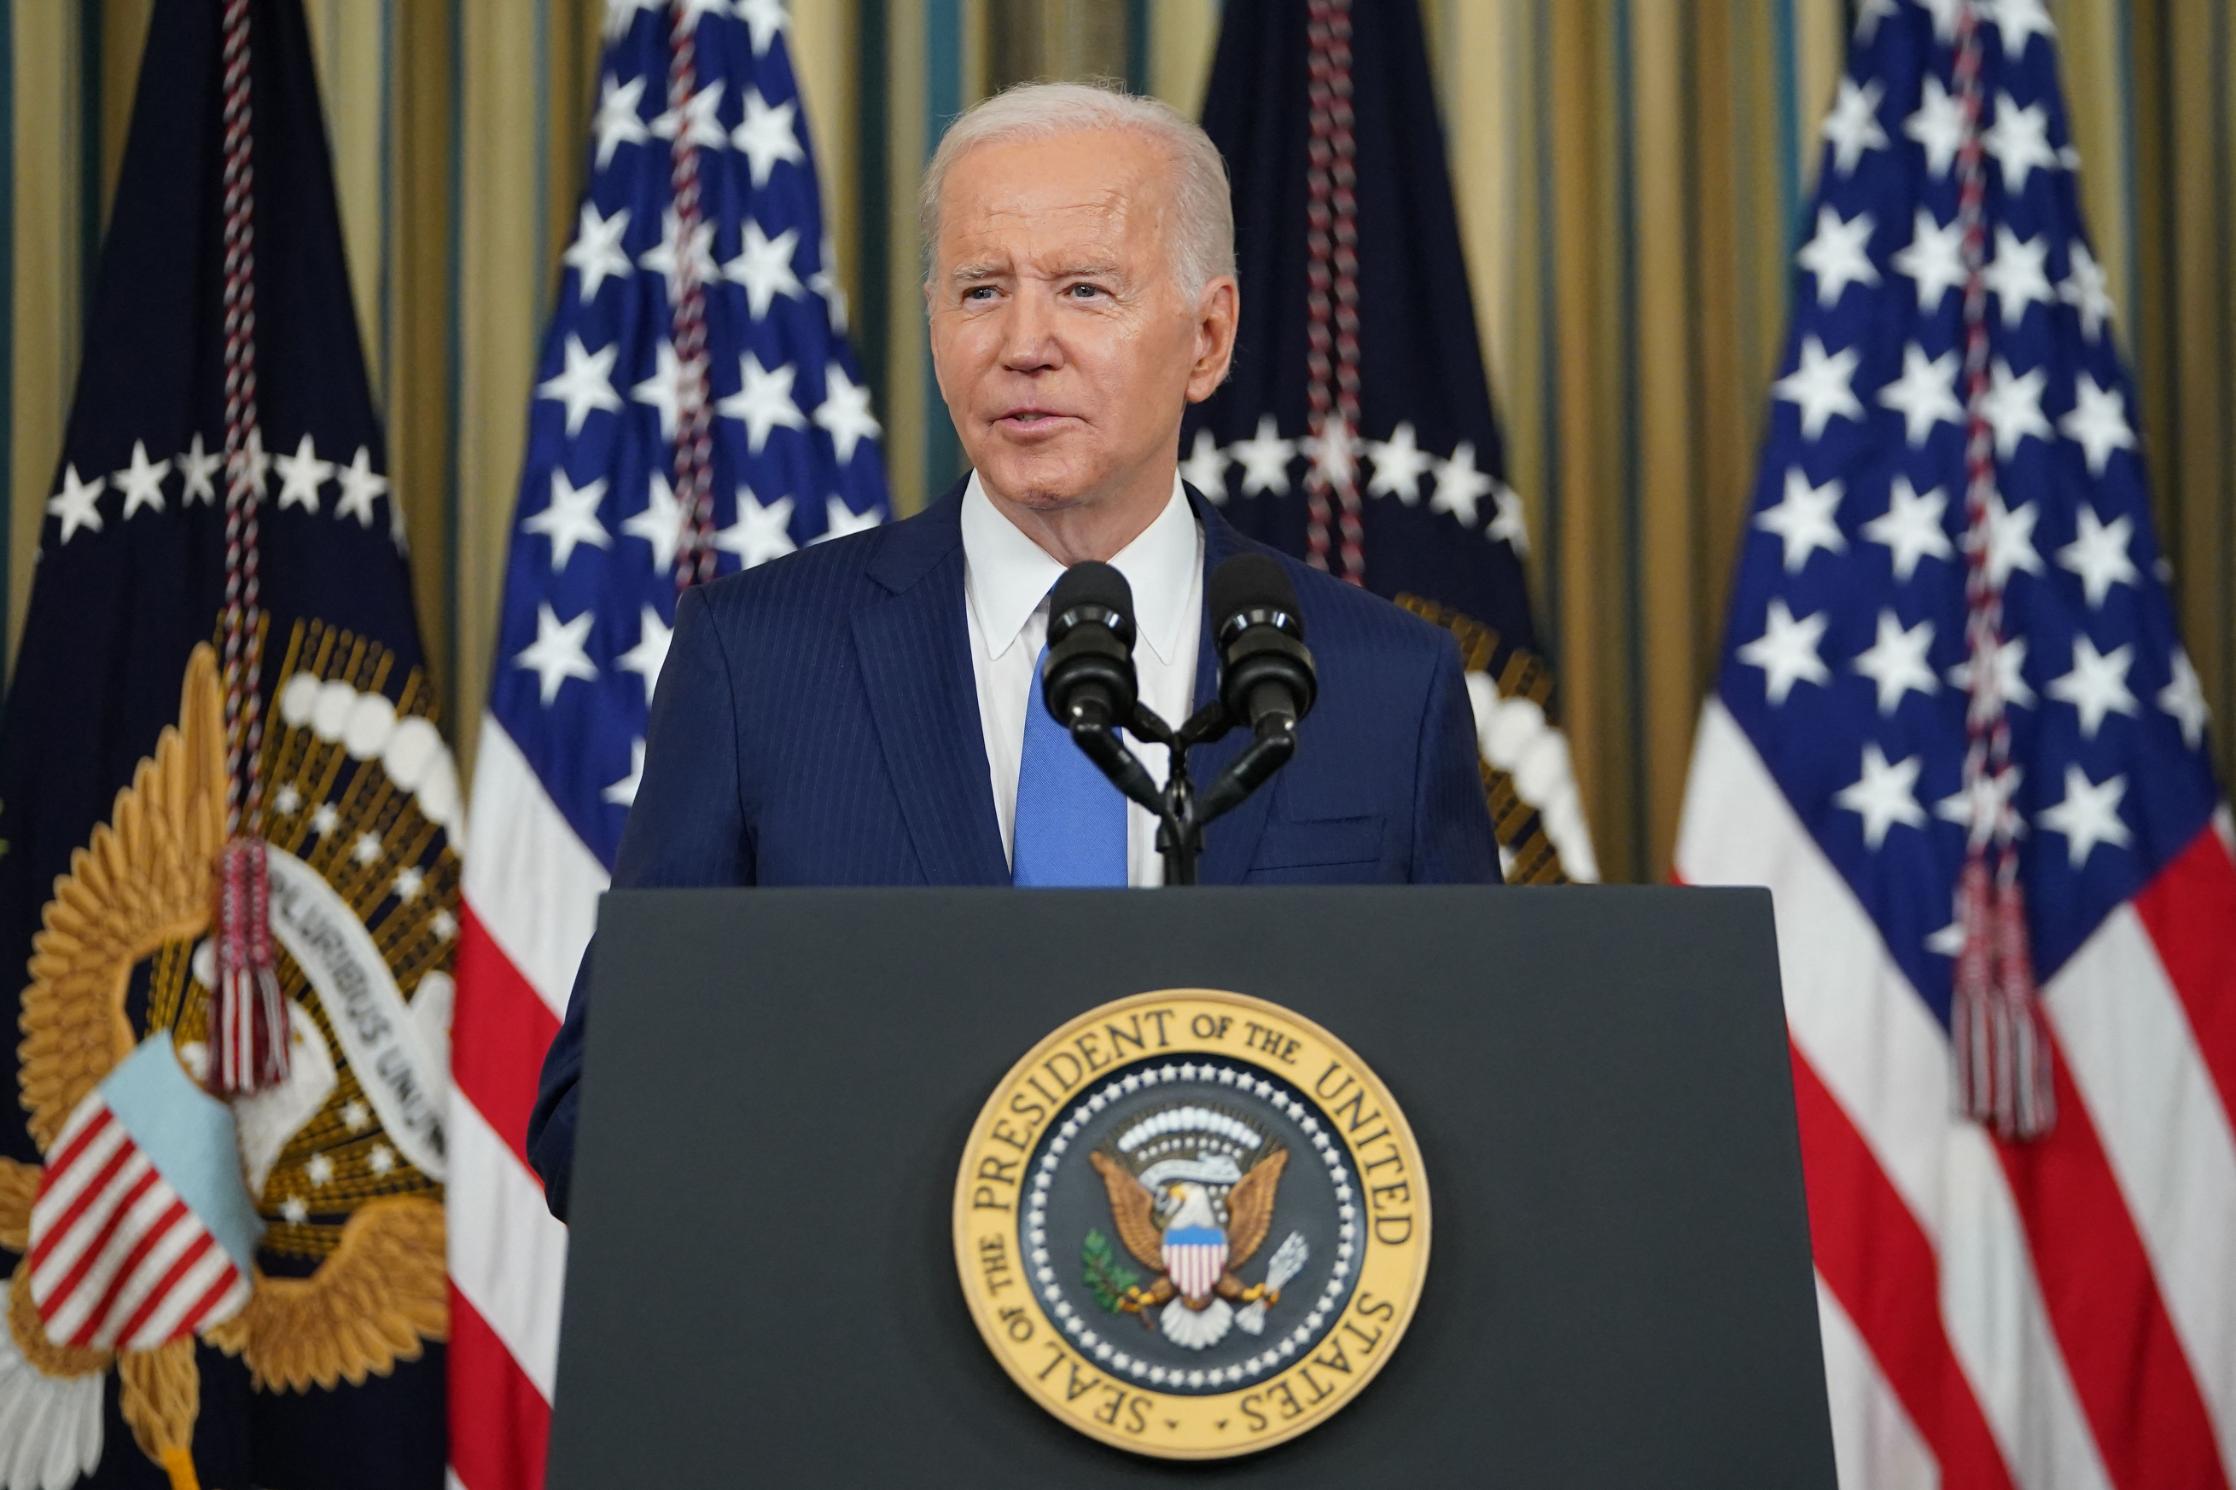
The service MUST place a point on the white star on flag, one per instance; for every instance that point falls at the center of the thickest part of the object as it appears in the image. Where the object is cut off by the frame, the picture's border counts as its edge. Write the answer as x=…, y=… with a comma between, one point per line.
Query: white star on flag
x=1821, y=386
x=2006, y=675
x=1334, y=452
x=763, y=18
x=570, y=518
x=2019, y=141
x=620, y=119
x=623, y=793
x=2088, y=815
x=1911, y=528
x=698, y=125
x=1459, y=485
x=1895, y=662
x=301, y=475
x=360, y=483
x=1509, y=524
x=840, y=520
x=141, y=483
x=1839, y=255
x=844, y=413
x=2097, y=685
x=763, y=267
x=2016, y=277
x=585, y=383
x=660, y=523
x=763, y=401
x=1853, y=125
x=1787, y=652
x=2010, y=538
x=2019, y=21
x=1399, y=465
x=77, y=504
x=1933, y=259
x=2086, y=289
x=199, y=469
x=666, y=258
x=1982, y=813
x=1925, y=394
x=1803, y=519
x=596, y=254
x=664, y=389
x=646, y=658
x=1205, y=469
x=766, y=136
x=762, y=531
x=1265, y=459
x=1937, y=126
x=1884, y=795
x=2183, y=698
x=2098, y=554
x=2097, y=423
x=557, y=652
x=2013, y=407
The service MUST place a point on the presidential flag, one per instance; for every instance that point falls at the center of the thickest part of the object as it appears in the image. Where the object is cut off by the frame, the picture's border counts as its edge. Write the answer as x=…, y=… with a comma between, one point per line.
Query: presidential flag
x=1356, y=429
x=220, y=655
x=697, y=411
x=1955, y=732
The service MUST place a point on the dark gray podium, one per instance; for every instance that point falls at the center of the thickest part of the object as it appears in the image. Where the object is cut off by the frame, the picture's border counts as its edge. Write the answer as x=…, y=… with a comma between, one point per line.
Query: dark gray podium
x=762, y=1286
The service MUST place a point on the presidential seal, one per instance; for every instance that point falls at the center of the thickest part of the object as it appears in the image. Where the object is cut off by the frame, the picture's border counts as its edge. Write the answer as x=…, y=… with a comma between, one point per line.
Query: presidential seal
x=1191, y=1224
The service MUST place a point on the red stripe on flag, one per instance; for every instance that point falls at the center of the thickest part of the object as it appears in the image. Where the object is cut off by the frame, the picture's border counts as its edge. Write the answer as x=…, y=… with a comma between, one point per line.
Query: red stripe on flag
x=1881, y=1266
x=2190, y=912
x=58, y=1163
x=500, y=1425
x=170, y=1280
x=97, y=1245
x=93, y=1194
x=2129, y=1372
x=499, y=1033
x=168, y=1218
x=211, y=1297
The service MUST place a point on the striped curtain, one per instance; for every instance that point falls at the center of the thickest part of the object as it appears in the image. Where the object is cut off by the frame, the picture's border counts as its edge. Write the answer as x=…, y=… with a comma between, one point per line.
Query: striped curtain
x=1628, y=175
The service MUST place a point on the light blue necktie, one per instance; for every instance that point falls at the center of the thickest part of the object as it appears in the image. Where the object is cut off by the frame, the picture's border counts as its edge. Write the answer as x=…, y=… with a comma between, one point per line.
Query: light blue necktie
x=1071, y=822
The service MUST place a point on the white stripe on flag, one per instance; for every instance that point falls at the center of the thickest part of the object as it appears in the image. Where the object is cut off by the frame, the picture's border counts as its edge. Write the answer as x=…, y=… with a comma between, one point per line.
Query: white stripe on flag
x=531, y=882
x=130, y=1231
x=176, y=1239
x=85, y=1233
x=507, y=1255
x=1873, y=1440
x=1885, y=1060
x=63, y=1186
x=2127, y=1041
x=182, y=1296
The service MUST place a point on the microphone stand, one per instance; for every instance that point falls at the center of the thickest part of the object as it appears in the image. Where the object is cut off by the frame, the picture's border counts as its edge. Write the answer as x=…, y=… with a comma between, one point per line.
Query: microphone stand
x=1181, y=813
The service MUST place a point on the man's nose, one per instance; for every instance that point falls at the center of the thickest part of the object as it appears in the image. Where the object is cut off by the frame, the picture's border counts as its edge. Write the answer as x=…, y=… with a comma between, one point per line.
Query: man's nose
x=1029, y=342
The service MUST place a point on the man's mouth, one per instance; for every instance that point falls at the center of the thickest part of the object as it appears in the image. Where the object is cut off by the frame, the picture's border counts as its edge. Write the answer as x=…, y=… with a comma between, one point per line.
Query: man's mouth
x=1032, y=420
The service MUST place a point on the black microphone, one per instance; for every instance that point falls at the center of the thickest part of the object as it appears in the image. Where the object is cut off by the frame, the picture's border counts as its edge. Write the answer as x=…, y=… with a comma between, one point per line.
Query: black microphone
x=1267, y=680
x=1089, y=676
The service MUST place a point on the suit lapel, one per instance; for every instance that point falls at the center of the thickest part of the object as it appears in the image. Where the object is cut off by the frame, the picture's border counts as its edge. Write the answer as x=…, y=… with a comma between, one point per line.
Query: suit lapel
x=914, y=649
x=1231, y=842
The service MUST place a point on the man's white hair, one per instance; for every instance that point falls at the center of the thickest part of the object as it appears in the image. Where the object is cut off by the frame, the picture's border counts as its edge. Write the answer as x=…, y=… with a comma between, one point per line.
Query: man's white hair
x=1203, y=247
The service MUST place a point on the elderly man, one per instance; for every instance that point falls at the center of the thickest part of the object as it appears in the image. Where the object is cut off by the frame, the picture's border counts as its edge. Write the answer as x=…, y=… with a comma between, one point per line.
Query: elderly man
x=866, y=713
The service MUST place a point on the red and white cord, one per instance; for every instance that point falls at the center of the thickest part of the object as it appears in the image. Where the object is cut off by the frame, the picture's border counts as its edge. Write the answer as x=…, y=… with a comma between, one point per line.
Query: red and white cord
x=694, y=444
x=1332, y=298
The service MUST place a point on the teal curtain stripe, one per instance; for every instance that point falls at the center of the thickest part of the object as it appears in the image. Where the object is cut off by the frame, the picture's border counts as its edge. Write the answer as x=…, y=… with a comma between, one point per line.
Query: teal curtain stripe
x=872, y=186
x=1548, y=342
x=543, y=141
x=89, y=153
x=387, y=287
x=2131, y=300
x=943, y=100
x=1137, y=46
x=1743, y=178
x=1787, y=73
x=7, y=297
x=1633, y=499
x=2224, y=225
x=453, y=359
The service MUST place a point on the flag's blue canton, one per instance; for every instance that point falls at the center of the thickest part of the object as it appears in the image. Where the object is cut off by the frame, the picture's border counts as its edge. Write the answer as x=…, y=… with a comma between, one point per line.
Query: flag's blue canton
x=1846, y=661
x=589, y=586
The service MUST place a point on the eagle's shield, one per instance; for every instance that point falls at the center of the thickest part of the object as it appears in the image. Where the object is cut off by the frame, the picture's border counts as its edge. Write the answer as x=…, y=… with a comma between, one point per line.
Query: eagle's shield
x=1195, y=1257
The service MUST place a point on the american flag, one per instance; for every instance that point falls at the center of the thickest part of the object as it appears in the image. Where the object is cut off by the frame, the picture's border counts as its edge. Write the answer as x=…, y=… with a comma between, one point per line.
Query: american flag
x=697, y=411
x=1951, y=575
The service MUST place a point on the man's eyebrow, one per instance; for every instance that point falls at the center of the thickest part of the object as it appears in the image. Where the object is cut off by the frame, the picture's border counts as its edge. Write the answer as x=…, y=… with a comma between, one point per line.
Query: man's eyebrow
x=974, y=273
x=1087, y=268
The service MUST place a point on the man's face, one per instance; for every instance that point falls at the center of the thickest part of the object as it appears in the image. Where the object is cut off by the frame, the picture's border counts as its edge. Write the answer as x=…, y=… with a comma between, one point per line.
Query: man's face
x=1064, y=345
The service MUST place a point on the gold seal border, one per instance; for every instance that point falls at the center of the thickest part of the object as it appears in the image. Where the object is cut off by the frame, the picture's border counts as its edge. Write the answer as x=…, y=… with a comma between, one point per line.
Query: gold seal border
x=1410, y=1257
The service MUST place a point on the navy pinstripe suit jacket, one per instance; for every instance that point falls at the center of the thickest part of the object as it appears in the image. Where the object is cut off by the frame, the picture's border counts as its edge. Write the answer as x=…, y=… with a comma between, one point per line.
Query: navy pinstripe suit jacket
x=816, y=723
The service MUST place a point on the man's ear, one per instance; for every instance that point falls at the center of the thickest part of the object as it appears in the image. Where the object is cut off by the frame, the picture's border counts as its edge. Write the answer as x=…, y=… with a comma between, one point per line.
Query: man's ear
x=1218, y=309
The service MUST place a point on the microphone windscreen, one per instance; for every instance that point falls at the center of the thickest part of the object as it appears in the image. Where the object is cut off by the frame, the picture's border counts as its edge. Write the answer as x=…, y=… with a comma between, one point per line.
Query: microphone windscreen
x=1250, y=582
x=1092, y=583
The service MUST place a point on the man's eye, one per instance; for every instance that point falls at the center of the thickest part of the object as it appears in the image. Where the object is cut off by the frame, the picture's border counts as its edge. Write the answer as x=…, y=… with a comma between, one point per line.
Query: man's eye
x=1084, y=291
x=978, y=294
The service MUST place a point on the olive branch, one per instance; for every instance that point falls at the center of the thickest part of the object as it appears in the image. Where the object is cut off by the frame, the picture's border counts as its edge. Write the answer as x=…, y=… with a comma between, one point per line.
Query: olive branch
x=1106, y=1277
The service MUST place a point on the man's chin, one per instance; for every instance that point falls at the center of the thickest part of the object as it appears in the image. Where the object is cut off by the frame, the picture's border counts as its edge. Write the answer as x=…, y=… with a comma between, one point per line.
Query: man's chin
x=1033, y=486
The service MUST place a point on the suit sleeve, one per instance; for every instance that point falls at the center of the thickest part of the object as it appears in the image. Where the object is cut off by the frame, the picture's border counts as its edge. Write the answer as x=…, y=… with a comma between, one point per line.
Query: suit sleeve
x=1453, y=843
x=688, y=826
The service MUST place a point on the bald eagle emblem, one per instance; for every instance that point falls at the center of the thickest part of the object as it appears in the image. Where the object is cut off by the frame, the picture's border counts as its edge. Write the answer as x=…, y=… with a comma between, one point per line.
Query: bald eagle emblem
x=1191, y=1197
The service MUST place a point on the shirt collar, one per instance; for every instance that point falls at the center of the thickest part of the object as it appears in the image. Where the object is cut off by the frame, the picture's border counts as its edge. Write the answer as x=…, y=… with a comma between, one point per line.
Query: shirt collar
x=1008, y=575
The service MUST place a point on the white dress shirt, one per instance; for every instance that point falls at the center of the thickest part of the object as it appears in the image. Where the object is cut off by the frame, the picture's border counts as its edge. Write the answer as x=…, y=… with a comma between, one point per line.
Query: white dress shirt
x=1006, y=579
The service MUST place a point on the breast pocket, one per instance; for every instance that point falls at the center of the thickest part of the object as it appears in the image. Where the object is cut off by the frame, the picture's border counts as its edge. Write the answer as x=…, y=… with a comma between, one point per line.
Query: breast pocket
x=1328, y=851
